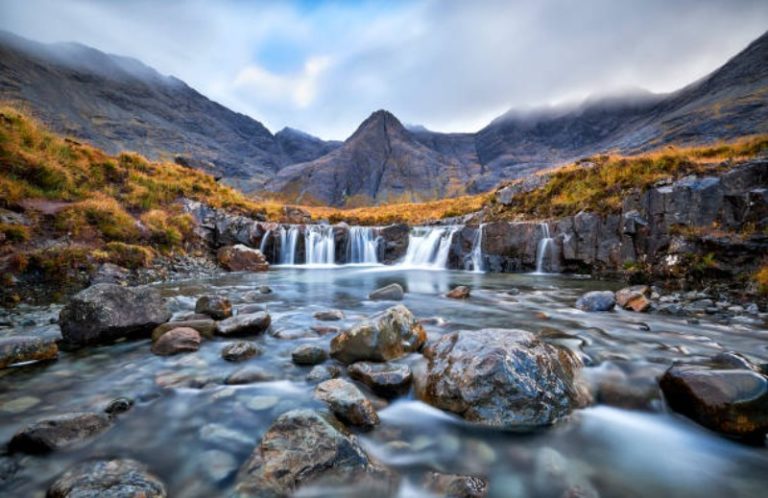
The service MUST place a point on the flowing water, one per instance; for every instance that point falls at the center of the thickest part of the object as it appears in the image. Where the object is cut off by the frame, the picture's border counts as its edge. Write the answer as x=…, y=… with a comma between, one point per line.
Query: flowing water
x=194, y=432
x=544, y=249
x=428, y=247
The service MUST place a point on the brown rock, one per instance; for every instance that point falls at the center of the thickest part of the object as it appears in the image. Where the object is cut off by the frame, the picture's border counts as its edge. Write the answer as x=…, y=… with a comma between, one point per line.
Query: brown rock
x=384, y=379
x=242, y=258
x=178, y=340
x=205, y=326
x=250, y=324
x=107, y=478
x=634, y=298
x=23, y=348
x=347, y=402
x=217, y=307
x=460, y=292
x=456, y=486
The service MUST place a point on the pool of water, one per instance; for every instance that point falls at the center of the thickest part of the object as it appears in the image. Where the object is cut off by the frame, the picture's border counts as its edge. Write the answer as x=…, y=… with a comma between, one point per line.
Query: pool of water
x=193, y=431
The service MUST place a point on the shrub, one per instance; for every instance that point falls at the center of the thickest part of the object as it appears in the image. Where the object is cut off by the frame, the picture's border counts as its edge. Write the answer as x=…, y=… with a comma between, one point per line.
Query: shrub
x=129, y=255
x=102, y=215
x=14, y=233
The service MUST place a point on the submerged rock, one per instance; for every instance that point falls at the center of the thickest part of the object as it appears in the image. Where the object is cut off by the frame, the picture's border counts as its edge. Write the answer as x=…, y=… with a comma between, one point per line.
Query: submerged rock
x=303, y=447
x=329, y=315
x=107, y=312
x=217, y=307
x=308, y=354
x=384, y=379
x=347, y=402
x=460, y=292
x=240, y=351
x=121, y=478
x=320, y=373
x=23, y=348
x=118, y=406
x=503, y=378
x=57, y=432
x=596, y=301
x=249, y=375
x=385, y=336
x=391, y=292
x=250, y=324
x=205, y=326
x=178, y=340
x=456, y=486
x=242, y=258
x=634, y=298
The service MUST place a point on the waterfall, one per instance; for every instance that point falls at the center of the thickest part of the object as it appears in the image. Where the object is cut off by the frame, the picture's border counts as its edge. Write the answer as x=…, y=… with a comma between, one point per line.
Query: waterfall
x=288, y=238
x=263, y=243
x=477, y=251
x=429, y=246
x=361, y=245
x=320, y=245
x=544, y=248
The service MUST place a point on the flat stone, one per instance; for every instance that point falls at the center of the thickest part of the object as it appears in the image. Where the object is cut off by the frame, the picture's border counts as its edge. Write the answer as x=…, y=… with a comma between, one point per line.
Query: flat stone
x=384, y=379
x=391, y=292
x=58, y=431
x=251, y=324
x=205, y=326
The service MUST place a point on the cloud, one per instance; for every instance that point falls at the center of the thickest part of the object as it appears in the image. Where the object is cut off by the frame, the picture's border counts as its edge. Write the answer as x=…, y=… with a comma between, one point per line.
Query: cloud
x=450, y=65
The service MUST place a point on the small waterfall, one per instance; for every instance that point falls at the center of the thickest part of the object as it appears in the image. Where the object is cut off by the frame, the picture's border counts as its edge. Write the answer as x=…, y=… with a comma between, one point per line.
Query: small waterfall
x=361, y=245
x=429, y=246
x=544, y=248
x=263, y=243
x=288, y=238
x=320, y=245
x=477, y=251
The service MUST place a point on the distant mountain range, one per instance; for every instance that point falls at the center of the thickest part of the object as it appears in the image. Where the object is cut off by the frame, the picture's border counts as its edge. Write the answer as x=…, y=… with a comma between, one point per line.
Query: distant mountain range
x=118, y=103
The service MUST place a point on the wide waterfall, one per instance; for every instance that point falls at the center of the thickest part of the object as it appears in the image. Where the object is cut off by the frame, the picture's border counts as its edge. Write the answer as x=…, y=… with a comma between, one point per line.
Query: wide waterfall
x=544, y=249
x=429, y=246
x=362, y=244
x=320, y=245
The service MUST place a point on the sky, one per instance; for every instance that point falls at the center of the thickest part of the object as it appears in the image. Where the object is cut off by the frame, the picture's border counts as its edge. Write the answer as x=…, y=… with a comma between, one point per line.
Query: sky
x=449, y=65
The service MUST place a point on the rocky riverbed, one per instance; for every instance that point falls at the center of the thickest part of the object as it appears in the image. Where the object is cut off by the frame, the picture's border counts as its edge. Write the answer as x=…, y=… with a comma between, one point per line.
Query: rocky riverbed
x=308, y=382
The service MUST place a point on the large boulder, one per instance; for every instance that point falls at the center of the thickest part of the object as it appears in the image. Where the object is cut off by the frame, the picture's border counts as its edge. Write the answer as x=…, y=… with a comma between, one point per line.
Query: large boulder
x=242, y=258
x=250, y=324
x=347, y=402
x=178, y=340
x=382, y=337
x=385, y=379
x=23, y=348
x=119, y=478
x=107, y=312
x=503, y=378
x=597, y=301
x=57, y=432
x=304, y=447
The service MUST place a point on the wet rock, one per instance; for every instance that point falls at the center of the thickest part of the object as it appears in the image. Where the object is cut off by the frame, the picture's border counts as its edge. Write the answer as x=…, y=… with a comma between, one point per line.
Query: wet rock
x=224, y=437
x=596, y=301
x=460, y=292
x=121, y=478
x=249, y=375
x=106, y=312
x=240, y=351
x=218, y=465
x=118, y=406
x=250, y=324
x=308, y=354
x=329, y=315
x=391, y=292
x=24, y=348
x=292, y=333
x=733, y=401
x=176, y=341
x=384, y=379
x=456, y=486
x=303, y=447
x=347, y=402
x=205, y=326
x=320, y=373
x=57, y=432
x=395, y=244
x=503, y=378
x=217, y=307
x=385, y=336
x=20, y=404
x=242, y=258
x=634, y=298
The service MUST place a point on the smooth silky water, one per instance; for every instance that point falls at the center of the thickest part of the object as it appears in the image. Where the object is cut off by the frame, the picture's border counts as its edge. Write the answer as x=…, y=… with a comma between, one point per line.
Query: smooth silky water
x=179, y=429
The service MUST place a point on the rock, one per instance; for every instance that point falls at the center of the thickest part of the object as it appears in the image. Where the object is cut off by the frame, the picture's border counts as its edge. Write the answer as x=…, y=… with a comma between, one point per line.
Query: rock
x=20, y=404
x=304, y=447
x=179, y=340
x=320, y=373
x=57, y=432
x=634, y=298
x=217, y=307
x=109, y=273
x=121, y=478
x=391, y=292
x=118, y=406
x=385, y=336
x=240, y=351
x=296, y=215
x=596, y=301
x=460, y=292
x=456, y=486
x=329, y=315
x=242, y=258
x=384, y=379
x=250, y=324
x=733, y=401
x=24, y=348
x=218, y=465
x=224, y=437
x=503, y=378
x=205, y=326
x=106, y=312
x=395, y=244
x=308, y=354
x=347, y=402
x=248, y=375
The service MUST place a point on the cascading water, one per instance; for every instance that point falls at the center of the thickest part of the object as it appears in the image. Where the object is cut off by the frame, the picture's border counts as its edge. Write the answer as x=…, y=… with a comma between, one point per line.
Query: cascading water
x=544, y=249
x=264, y=239
x=361, y=245
x=288, y=238
x=429, y=246
x=477, y=251
x=320, y=245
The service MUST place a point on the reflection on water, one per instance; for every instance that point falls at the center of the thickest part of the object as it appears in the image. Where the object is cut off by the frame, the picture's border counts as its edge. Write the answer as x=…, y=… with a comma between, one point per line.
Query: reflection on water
x=194, y=431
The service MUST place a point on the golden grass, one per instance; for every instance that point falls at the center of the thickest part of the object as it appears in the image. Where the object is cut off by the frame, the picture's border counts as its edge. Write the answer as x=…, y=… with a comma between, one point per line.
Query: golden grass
x=761, y=278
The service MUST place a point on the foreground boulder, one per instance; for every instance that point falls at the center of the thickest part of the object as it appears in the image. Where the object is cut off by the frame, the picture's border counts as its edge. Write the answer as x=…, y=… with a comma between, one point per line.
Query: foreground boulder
x=250, y=324
x=23, y=348
x=304, y=447
x=384, y=379
x=346, y=401
x=728, y=398
x=391, y=292
x=503, y=378
x=57, y=432
x=106, y=312
x=178, y=340
x=635, y=298
x=242, y=258
x=122, y=478
x=217, y=307
x=385, y=336
x=597, y=301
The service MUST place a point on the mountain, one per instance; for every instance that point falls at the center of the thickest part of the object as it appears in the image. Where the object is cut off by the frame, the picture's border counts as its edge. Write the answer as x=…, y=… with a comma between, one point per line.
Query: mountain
x=118, y=103
x=381, y=162
x=302, y=147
